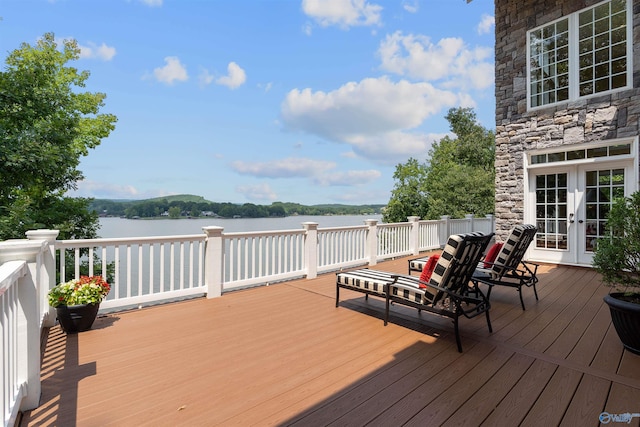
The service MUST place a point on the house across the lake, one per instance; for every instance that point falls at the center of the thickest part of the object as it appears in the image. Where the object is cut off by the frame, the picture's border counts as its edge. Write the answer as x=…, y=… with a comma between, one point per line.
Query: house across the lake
x=567, y=119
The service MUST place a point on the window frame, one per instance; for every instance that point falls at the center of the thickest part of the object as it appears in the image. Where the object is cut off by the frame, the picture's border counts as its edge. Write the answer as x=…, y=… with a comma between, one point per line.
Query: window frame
x=574, y=56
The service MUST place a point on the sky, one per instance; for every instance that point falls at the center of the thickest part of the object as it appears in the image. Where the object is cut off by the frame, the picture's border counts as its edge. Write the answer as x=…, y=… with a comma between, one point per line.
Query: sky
x=258, y=101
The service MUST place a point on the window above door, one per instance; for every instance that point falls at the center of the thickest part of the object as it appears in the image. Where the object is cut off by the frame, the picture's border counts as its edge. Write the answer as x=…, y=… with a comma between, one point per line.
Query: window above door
x=583, y=54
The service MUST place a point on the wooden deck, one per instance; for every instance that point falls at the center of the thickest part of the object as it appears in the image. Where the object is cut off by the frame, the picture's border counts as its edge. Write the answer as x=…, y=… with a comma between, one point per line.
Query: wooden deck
x=285, y=355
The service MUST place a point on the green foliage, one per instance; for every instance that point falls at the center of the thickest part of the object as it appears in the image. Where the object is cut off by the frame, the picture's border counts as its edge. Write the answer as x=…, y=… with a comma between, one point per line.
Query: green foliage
x=174, y=212
x=457, y=179
x=195, y=204
x=85, y=290
x=617, y=258
x=409, y=195
x=46, y=125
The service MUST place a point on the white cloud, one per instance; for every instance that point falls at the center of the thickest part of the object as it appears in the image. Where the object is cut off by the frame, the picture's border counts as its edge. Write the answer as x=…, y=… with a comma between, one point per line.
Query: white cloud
x=171, y=72
x=449, y=61
x=152, y=3
x=235, y=77
x=487, y=22
x=393, y=147
x=369, y=107
x=257, y=192
x=103, y=52
x=103, y=190
x=205, y=78
x=375, y=116
x=410, y=6
x=349, y=178
x=283, y=168
x=342, y=13
x=266, y=87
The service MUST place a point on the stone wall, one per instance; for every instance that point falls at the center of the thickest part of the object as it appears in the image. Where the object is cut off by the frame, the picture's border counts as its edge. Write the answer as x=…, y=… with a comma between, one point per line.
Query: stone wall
x=598, y=118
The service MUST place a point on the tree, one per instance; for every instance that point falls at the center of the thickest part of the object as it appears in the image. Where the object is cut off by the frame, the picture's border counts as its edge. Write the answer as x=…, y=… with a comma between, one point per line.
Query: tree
x=46, y=125
x=409, y=196
x=457, y=179
x=461, y=175
x=175, y=212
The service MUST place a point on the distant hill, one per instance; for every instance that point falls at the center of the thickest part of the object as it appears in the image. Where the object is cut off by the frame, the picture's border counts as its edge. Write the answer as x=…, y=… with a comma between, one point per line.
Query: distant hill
x=190, y=198
x=187, y=198
x=190, y=206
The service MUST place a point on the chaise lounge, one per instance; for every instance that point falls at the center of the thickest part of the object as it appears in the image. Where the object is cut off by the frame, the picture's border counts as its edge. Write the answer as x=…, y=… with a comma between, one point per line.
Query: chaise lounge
x=445, y=293
x=509, y=269
x=505, y=266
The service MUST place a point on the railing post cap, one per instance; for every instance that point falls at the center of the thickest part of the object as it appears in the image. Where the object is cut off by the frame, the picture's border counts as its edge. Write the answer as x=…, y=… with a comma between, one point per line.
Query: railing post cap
x=310, y=225
x=20, y=249
x=413, y=218
x=43, y=234
x=371, y=221
x=213, y=230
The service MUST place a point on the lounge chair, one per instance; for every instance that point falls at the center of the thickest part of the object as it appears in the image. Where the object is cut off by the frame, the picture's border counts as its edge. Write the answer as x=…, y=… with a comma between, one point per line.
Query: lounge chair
x=509, y=269
x=446, y=292
x=506, y=268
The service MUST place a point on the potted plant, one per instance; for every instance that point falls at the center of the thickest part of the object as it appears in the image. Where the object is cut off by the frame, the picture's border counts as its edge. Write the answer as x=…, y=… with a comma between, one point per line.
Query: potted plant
x=77, y=302
x=617, y=258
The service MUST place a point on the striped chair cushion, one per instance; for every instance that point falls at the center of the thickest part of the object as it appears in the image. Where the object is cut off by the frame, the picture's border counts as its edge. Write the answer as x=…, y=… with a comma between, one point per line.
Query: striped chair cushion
x=511, y=247
x=418, y=263
x=370, y=280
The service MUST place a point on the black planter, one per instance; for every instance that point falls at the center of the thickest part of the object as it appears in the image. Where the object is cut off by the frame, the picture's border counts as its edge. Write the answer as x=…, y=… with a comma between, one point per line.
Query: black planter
x=626, y=319
x=77, y=318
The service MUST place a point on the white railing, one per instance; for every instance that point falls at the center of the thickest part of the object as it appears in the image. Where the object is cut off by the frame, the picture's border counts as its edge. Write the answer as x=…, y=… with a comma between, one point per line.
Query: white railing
x=147, y=269
x=141, y=269
x=262, y=257
x=24, y=284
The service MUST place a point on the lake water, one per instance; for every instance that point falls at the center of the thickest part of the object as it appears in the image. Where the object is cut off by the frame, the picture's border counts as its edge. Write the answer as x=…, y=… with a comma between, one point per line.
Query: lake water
x=122, y=227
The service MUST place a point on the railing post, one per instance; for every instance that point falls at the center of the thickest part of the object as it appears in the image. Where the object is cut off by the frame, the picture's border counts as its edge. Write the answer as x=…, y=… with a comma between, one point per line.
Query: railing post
x=470, y=218
x=214, y=261
x=28, y=334
x=47, y=274
x=311, y=249
x=492, y=226
x=372, y=241
x=414, y=238
x=445, y=230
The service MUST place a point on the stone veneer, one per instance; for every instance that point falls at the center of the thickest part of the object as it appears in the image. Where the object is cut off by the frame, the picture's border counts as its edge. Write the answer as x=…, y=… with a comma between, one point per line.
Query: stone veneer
x=610, y=116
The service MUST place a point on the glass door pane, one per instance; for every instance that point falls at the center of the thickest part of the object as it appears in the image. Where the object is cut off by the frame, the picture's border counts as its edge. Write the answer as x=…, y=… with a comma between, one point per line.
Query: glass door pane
x=602, y=188
x=551, y=211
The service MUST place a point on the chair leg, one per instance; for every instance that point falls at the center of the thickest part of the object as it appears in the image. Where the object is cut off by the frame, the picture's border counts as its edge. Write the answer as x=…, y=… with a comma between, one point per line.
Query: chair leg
x=455, y=327
x=337, y=294
x=488, y=321
x=535, y=291
x=520, y=293
x=386, y=310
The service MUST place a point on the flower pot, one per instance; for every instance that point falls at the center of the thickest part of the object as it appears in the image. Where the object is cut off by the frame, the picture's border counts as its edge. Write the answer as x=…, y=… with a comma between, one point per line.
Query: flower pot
x=626, y=319
x=77, y=318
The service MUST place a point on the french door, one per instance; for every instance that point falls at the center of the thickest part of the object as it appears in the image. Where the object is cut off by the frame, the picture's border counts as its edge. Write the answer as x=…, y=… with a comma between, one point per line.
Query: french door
x=569, y=205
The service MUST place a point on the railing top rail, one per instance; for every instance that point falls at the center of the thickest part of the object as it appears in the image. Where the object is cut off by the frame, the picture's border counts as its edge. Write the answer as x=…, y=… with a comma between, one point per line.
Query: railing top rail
x=394, y=224
x=83, y=243
x=263, y=233
x=345, y=228
x=10, y=272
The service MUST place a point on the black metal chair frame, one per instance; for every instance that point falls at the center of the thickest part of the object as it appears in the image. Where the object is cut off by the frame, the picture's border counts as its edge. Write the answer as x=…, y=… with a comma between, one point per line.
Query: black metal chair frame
x=513, y=272
x=452, y=297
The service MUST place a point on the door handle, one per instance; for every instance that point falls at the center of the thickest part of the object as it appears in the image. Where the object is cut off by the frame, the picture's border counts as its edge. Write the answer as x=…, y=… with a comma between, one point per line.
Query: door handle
x=580, y=221
x=571, y=218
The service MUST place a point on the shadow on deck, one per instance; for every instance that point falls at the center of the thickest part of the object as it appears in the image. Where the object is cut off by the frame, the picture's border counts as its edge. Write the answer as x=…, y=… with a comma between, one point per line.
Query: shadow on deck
x=285, y=355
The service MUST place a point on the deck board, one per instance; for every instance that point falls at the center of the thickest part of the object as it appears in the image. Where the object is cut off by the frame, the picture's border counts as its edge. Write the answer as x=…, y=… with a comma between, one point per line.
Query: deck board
x=285, y=355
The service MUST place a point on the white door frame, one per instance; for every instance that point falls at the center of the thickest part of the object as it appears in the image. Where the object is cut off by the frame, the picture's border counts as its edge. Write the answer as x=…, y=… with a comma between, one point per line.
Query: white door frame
x=575, y=253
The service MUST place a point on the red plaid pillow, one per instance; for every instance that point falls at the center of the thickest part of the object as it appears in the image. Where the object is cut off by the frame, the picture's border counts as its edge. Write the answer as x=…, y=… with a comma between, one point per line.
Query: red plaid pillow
x=427, y=271
x=492, y=253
